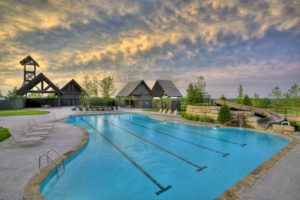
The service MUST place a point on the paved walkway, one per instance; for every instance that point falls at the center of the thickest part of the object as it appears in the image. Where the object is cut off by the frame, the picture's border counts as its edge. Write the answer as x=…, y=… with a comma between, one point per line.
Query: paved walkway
x=282, y=182
x=18, y=164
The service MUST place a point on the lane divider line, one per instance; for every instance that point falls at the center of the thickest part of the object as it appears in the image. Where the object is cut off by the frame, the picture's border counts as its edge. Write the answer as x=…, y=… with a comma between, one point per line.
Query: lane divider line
x=162, y=188
x=194, y=132
x=198, y=167
x=180, y=139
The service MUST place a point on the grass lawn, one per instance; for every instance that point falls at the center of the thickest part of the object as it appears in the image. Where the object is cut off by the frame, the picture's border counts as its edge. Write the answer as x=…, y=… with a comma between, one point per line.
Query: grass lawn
x=4, y=133
x=290, y=111
x=22, y=112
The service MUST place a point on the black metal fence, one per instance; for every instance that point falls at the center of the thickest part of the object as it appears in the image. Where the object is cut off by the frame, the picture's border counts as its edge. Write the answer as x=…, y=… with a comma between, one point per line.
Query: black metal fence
x=20, y=103
x=41, y=102
x=12, y=104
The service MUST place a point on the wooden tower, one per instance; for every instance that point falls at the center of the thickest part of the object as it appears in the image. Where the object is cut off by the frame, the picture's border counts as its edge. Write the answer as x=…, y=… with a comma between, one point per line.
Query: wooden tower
x=29, y=68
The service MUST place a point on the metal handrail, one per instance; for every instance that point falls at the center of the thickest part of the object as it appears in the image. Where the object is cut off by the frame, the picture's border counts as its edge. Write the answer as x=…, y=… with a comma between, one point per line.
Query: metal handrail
x=58, y=154
x=48, y=159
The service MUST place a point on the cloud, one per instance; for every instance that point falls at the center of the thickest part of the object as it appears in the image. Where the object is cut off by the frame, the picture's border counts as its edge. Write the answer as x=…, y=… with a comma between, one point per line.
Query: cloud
x=148, y=39
x=19, y=17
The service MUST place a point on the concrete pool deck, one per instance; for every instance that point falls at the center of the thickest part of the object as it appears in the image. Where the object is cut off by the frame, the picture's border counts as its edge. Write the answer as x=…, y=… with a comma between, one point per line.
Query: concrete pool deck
x=18, y=164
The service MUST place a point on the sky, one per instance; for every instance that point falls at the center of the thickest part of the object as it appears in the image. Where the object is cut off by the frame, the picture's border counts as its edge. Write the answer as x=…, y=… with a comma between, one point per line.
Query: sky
x=253, y=43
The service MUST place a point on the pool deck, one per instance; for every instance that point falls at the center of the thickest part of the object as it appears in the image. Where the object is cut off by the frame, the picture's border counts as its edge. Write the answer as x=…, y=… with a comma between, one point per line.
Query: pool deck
x=19, y=163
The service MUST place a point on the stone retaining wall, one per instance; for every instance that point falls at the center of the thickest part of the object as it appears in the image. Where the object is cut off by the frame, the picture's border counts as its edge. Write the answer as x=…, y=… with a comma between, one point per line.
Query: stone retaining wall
x=252, y=121
x=211, y=111
x=282, y=128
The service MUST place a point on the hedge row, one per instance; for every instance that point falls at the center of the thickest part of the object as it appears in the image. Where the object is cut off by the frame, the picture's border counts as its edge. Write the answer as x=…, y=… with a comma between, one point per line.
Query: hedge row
x=201, y=118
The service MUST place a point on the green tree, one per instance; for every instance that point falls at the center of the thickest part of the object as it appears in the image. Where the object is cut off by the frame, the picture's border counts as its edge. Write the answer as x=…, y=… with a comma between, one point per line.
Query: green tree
x=247, y=101
x=107, y=88
x=264, y=103
x=240, y=94
x=256, y=100
x=91, y=87
x=196, y=91
x=201, y=85
x=276, y=93
x=12, y=93
x=1, y=95
x=294, y=91
x=224, y=114
x=34, y=95
x=85, y=98
x=192, y=96
x=277, y=98
x=51, y=96
x=223, y=97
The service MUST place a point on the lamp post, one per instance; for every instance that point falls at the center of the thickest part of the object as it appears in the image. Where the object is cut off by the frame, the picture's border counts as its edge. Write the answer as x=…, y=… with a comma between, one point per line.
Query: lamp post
x=285, y=114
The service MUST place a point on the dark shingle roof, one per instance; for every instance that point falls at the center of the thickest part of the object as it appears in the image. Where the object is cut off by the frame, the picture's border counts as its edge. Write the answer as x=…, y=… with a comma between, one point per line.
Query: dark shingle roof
x=169, y=88
x=26, y=88
x=130, y=87
x=73, y=82
x=29, y=60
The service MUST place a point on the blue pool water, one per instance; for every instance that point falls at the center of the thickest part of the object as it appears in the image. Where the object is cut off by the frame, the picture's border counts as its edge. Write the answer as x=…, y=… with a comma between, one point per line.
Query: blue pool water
x=132, y=156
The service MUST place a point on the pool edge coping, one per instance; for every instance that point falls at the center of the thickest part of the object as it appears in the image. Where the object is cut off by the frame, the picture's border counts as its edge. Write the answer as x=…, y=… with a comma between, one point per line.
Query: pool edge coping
x=249, y=181
x=32, y=188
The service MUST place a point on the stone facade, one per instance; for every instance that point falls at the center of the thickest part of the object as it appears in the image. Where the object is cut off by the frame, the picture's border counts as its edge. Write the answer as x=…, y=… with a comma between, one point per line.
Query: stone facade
x=252, y=121
x=283, y=128
x=211, y=111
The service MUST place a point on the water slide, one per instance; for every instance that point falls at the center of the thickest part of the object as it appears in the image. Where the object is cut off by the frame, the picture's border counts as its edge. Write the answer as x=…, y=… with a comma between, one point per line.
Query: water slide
x=267, y=117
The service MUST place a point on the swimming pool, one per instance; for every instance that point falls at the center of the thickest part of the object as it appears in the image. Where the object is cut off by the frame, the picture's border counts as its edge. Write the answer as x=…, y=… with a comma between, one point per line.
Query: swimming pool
x=132, y=156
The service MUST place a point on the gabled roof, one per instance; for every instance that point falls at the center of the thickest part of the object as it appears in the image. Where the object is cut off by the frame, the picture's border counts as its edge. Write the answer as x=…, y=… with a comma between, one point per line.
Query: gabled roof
x=130, y=87
x=29, y=60
x=73, y=82
x=168, y=88
x=41, y=78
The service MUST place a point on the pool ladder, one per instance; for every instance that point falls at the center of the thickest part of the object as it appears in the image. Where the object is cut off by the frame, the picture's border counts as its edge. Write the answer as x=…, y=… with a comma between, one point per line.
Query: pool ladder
x=59, y=167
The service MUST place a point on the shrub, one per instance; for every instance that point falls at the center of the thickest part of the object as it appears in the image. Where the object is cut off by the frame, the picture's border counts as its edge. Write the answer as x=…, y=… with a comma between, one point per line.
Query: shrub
x=202, y=118
x=224, y=114
x=205, y=118
x=296, y=125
